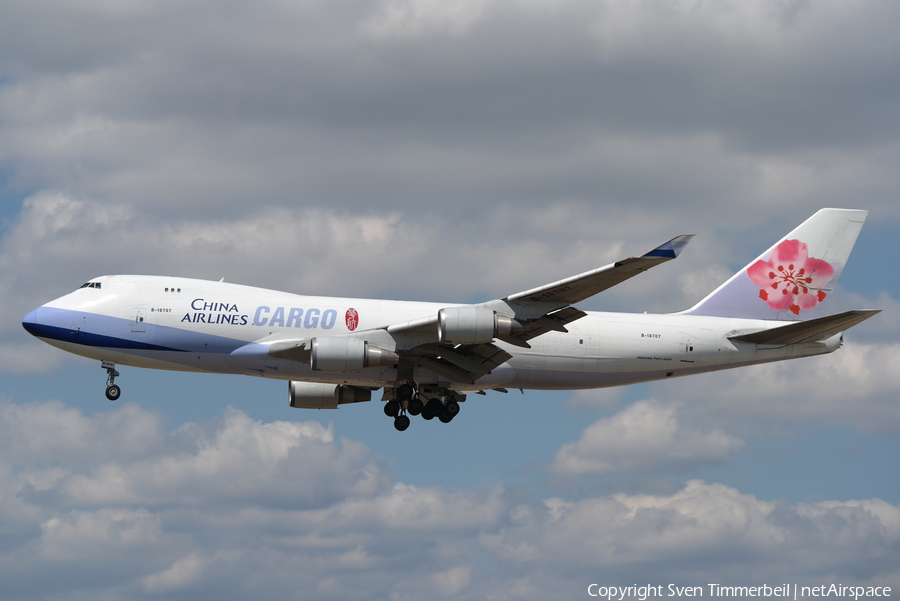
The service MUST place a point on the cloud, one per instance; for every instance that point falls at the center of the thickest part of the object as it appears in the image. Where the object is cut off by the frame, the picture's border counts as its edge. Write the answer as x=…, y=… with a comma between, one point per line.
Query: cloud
x=235, y=506
x=186, y=111
x=238, y=460
x=856, y=386
x=647, y=436
x=28, y=358
x=684, y=535
x=412, y=19
x=412, y=149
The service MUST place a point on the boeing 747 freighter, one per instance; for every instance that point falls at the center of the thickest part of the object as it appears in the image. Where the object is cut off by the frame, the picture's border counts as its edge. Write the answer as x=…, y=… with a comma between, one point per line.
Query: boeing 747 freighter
x=428, y=356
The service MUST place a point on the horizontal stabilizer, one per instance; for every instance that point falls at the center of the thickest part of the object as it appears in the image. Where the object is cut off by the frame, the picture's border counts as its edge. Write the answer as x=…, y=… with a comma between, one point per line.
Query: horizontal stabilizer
x=806, y=331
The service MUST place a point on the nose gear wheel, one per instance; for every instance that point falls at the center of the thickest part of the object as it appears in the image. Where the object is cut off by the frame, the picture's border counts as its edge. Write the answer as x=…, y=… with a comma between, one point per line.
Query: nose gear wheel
x=113, y=391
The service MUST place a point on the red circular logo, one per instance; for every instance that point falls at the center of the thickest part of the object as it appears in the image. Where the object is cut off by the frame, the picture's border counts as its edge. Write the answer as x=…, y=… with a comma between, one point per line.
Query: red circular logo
x=351, y=318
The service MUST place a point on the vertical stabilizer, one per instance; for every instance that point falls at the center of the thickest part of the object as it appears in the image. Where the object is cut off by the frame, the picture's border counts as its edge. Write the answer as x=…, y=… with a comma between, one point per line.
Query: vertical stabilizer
x=794, y=278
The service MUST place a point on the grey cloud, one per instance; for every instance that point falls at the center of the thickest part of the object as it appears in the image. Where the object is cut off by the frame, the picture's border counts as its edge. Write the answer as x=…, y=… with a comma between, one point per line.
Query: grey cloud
x=185, y=110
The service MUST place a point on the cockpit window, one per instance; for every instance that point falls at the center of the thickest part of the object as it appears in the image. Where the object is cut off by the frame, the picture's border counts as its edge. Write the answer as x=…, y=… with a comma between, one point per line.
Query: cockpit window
x=90, y=285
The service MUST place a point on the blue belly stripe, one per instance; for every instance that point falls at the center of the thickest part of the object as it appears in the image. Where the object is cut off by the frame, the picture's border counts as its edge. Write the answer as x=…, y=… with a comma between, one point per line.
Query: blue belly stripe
x=89, y=339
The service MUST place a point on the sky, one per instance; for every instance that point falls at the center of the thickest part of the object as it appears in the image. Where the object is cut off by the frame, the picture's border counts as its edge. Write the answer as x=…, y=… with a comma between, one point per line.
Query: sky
x=451, y=151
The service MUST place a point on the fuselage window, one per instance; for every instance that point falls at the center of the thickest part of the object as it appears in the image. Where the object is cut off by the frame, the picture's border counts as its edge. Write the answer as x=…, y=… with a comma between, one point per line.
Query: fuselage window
x=90, y=285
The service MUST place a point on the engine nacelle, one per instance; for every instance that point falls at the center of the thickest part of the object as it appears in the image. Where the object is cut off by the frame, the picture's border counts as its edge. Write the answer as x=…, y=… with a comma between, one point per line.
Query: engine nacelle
x=316, y=395
x=467, y=325
x=342, y=355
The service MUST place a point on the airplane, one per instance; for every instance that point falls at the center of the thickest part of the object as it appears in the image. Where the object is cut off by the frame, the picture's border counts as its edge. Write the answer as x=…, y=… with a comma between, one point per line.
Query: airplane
x=427, y=357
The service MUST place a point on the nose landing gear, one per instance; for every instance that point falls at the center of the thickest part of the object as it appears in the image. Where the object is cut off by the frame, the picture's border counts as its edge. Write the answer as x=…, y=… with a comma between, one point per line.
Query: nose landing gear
x=113, y=392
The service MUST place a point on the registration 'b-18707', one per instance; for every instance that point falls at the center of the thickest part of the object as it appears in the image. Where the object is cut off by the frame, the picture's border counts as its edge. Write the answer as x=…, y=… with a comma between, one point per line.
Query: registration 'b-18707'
x=426, y=357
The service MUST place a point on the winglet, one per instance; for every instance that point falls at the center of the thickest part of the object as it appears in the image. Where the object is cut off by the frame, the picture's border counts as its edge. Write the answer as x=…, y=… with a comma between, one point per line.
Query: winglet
x=670, y=249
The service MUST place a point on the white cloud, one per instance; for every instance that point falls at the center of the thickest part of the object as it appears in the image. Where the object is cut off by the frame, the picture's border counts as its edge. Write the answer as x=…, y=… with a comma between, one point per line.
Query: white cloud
x=241, y=459
x=595, y=398
x=855, y=386
x=182, y=573
x=647, y=436
x=221, y=508
x=28, y=357
x=55, y=433
x=704, y=528
x=412, y=19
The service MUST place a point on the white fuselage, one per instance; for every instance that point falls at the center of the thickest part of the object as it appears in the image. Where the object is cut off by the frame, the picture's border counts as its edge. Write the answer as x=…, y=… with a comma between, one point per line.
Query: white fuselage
x=195, y=325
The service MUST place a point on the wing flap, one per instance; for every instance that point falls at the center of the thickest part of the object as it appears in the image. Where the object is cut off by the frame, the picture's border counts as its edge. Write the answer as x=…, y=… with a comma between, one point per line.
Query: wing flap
x=806, y=331
x=442, y=368
x=555, y=321
x=464, y=363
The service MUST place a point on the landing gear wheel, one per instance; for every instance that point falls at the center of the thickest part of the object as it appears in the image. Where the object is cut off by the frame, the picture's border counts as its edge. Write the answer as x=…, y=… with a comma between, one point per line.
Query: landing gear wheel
x=415, y=406
x=113, y=392
x=449, y=411
x=432, y=409
x=401, y=422
x=392, y=409
x=451, y=408
x=405, y=392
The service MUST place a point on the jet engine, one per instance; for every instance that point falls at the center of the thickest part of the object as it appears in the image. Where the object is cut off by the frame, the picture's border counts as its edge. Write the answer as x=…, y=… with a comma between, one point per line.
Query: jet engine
x=467, y=325
x=339, y=354
x=316, y=395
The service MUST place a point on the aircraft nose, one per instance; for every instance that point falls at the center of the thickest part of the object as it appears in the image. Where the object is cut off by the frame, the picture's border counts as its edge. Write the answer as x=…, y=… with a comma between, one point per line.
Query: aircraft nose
x=32, y=322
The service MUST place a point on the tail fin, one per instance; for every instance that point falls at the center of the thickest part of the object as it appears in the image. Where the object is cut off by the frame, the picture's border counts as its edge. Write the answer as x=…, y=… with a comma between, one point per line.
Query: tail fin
x=791, y=280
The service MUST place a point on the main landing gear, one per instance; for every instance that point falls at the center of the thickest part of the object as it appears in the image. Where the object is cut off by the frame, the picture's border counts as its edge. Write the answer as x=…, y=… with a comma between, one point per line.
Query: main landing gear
x=113, y=392
x=406, y=400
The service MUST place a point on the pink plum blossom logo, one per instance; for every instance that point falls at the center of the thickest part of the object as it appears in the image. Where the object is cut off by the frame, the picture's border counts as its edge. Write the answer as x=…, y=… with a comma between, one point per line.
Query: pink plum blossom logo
x=791, y=279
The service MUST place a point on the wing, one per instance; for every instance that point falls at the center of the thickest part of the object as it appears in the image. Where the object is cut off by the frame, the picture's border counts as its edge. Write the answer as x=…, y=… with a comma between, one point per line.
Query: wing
x=549, y=307
x=579, y=287
x=532, y=313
